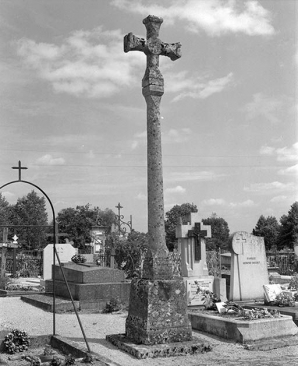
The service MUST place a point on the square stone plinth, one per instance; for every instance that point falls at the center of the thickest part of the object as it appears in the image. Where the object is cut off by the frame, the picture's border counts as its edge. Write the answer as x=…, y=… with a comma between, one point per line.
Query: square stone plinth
x=158, y=312
x=142, y=351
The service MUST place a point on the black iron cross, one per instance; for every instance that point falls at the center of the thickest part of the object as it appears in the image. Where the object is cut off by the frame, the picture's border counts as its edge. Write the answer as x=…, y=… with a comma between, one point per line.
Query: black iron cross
x=197, y=234
x=20, y=167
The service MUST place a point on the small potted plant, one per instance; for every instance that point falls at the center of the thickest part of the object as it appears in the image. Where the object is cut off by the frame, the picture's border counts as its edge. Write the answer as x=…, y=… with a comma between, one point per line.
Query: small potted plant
x=78, y=259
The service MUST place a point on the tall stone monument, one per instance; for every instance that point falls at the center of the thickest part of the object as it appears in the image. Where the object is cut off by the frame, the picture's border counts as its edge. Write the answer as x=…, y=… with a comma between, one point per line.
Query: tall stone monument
x=157, y=309
x=157, y=312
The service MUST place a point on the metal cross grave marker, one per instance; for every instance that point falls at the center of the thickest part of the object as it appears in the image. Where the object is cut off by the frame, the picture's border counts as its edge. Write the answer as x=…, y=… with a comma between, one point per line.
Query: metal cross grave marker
x=19, y=167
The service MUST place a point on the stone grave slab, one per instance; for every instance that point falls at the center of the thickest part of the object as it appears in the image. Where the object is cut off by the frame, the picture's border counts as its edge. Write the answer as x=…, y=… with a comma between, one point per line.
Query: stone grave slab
x=244, y=331
x=65, y=252
x=248, y=266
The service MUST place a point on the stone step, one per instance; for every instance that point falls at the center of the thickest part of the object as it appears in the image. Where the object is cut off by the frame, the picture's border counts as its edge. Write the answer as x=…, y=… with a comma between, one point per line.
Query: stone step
x=45, y=302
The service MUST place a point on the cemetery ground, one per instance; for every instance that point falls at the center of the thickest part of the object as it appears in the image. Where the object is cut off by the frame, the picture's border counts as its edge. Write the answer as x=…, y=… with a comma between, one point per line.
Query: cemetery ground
x=37, y=322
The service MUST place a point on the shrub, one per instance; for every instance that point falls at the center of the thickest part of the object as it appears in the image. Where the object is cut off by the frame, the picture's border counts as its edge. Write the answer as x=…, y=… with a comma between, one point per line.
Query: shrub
x=294, y=282
x=112, y=306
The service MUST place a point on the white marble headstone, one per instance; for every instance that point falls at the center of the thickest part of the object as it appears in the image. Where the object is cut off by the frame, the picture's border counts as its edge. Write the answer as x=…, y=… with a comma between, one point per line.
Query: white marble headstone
x=248, y=267
x=65, y=252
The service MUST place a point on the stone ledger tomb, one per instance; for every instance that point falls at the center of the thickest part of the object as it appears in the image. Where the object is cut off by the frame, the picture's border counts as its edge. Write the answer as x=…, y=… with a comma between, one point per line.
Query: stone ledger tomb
x=248, y=267
x=157, y=309
x=90, y=285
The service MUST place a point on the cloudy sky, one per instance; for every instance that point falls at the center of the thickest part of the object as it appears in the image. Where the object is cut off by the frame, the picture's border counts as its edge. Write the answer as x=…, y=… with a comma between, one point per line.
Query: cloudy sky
x=72, y=109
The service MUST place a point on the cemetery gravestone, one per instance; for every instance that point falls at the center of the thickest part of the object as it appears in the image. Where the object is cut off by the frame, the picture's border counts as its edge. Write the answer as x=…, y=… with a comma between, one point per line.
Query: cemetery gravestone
x=192, y=247
x=65, y=252
x=248, y=267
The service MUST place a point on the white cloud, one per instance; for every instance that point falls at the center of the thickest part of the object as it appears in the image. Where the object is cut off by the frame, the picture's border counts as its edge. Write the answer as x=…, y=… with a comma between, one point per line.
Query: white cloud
x=178, y=136
x=8, y=195
x=292, y=170
x=90, y=154
x=267, y=150
x=247, y=203
x=142, y=197
x=270, y=188
x=177, y=189
x=193, y=88
x=186, y=176
x=49, y=160
x=283, y=154
x=88, y=63
x=215, y=17
x=288, y=154
x=265, y=107
x=278, y=199
x=214, y=202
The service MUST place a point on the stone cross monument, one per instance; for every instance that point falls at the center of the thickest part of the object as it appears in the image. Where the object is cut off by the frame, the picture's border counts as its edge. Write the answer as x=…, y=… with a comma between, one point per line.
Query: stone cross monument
x=157, y=309
x=153, y=89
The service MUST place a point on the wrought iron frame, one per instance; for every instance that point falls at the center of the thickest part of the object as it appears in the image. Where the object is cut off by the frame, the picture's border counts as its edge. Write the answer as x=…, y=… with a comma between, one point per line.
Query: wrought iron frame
x=55, y=253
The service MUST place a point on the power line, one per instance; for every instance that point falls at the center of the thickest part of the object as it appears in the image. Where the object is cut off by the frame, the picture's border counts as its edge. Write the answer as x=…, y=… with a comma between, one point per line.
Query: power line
x=130, y=154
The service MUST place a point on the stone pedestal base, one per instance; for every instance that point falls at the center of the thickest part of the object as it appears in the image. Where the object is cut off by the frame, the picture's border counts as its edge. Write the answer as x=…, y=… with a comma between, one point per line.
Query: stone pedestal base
x=141, y=351
x=158, y=312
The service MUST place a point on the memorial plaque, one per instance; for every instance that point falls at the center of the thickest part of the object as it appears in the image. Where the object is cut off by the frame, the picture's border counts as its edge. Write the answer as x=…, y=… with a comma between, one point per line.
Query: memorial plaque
x=196, y=290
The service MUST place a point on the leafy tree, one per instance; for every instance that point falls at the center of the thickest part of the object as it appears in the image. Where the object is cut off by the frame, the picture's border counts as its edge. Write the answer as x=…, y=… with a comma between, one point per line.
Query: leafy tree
x=219, y=233
x=172, y=220
x=269, y=229
x=77, y=222
x=130, y=252
x=30, y=210
x=5, y=212
x=288, y=234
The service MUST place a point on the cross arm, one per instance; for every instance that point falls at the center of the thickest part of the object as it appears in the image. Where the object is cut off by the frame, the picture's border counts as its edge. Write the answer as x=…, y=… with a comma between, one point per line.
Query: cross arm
x=172, y=50
x=152, y=46
x=134, y=43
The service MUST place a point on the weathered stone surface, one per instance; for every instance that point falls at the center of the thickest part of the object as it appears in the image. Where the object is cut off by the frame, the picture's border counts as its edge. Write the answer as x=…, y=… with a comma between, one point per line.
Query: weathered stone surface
x=157, y=308
x=157, y=312
x=244, y=331
x=192, y=347
x=158, y=266
x=88, y=274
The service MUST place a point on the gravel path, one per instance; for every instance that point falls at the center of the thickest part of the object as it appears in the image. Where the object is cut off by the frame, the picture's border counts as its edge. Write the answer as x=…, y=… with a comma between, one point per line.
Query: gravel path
x=14, y=313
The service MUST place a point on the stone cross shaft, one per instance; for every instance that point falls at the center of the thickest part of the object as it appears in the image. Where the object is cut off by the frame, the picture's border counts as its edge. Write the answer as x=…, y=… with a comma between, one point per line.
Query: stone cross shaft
x=153, y=89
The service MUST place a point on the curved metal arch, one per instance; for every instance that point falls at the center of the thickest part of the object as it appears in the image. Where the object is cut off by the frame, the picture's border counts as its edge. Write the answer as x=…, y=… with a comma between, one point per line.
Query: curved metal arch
x=43, y=192
x=54, y=256
x=54, y=233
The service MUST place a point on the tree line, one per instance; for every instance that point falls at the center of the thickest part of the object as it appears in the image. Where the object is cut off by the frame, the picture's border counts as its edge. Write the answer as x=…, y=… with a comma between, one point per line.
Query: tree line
x=77, y=222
